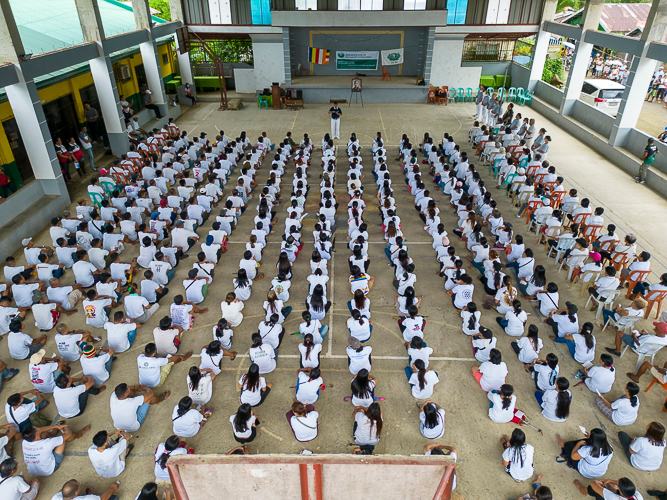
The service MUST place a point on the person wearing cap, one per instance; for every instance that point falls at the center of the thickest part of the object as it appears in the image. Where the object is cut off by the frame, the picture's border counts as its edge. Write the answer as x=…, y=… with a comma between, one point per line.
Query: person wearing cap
x=15, y=487
x=96, y=363
x=21, y=345
x=44, y=447
x=44, y=371
x=21, y=412
x=622, y=315
x=641, y=342
x=68, y=341
x=595, y=267
x=148, y=103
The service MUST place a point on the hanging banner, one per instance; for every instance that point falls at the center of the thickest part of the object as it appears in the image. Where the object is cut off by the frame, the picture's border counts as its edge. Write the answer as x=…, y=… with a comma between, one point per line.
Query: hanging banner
x=360, y=60
x=390, y=57
x=318, y=56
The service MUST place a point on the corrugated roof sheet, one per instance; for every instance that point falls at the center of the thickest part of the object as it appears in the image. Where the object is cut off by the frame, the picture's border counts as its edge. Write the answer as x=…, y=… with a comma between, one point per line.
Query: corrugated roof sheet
x=48, y=25
x=624, y=17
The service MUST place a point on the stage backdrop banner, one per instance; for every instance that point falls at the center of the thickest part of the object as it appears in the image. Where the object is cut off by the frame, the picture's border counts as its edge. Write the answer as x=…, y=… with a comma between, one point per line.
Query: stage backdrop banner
x=360, y=60
x=390, y=57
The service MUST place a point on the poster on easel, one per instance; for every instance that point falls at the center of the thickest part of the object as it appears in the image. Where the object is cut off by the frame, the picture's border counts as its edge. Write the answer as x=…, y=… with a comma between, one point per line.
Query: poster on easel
x=365, y=60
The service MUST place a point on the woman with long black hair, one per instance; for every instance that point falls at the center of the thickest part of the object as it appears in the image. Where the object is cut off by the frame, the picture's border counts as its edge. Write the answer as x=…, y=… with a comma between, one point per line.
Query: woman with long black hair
x=624, y=410
x=403, y=302
x=312, y=327
x=187, y=420
x=518, y=456
x=200, y=385
x=149, y=490
x=244, y=424
x=361, y=303
x=493, y=279
x=362, y=388
x=367, y=425
x=590, y=456
x=431, y=420
x=503, y=404
x=555, y=402
x=317, y=304
x=284, y=265
x=581, y=345
x=421, y=380
x=309, y=352
x=273, y=305
x=171, y=447
x=254, y=388
x=242, y=285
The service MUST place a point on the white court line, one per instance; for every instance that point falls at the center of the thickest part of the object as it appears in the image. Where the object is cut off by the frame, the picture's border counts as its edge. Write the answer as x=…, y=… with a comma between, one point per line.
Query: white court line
x=369, y=242
x=331, y=301
x=342, y=356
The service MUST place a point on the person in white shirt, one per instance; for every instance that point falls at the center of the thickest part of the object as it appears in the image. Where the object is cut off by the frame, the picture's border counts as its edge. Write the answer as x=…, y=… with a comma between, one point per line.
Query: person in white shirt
x=44, y=371
x=303, y=420
x=600, y=378
x=503, y=404
x=608, y=489
x=96, y=363
x=129, y=409
x=22, y=291
x=71, y=400
x=153, y=371
x=107, y=454
x=44, y=447
x=590, y=456
x=431, y=420
x=19, y=409
x=309, y=382
x=646, y=452
x=186, y=420
x=556, y=402
x=21, y=345
x=641, y=342
x=421, y=380
x=603, y=286
x=491, y=374
x=138, y=309
x=624, y=410
x=518, y=456
x=68, y=341
x=367, y=426
x=515, y=320
x=15, y=487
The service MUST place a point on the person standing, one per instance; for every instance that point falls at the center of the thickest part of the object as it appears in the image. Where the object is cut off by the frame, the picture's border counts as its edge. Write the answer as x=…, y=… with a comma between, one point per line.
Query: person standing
x=647, y=158
x=87, y=146
x=92, y=118
x=478, y=102
x=335, y=113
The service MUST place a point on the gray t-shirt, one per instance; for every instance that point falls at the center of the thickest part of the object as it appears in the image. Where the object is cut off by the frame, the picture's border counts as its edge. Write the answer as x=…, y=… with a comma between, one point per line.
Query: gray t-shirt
x=91, y=114
x=145, y=99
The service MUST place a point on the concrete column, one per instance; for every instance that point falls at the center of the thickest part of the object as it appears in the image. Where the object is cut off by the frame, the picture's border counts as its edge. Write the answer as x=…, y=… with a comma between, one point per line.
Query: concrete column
x=103, y=77
x=184, y=62
x=541, y=45
x=641, y=71
x=149, y=55
x=582, y=52
x=27, y=108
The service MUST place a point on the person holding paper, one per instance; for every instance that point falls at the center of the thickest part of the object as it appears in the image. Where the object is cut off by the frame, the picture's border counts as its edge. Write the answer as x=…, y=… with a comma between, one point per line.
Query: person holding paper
x=335, y=113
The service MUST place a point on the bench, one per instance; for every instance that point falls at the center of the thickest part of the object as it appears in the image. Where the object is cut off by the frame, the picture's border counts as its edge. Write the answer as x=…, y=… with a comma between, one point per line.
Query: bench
x=294, y=103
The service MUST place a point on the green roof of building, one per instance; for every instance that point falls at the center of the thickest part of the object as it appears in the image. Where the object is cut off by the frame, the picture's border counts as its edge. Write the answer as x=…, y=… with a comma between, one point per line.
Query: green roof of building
x=48, y=25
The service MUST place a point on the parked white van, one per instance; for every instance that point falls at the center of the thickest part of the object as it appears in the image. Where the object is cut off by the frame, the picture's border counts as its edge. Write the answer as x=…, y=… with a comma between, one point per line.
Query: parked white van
x=603, y=94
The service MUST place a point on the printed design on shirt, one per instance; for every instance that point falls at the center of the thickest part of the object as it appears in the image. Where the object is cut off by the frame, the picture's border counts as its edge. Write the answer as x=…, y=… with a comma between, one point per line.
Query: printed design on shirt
x=34, y=376
x=91, y=311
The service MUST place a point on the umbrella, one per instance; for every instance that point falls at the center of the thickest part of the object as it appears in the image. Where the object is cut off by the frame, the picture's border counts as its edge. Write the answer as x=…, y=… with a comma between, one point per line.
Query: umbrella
x=568, y=45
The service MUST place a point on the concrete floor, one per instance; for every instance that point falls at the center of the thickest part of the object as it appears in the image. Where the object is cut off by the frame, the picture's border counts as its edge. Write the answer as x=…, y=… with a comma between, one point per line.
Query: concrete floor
x=480, y=473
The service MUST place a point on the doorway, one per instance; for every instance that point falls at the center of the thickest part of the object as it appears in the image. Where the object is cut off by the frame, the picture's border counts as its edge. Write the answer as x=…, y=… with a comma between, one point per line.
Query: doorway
x=61, y=118
x=23, y=172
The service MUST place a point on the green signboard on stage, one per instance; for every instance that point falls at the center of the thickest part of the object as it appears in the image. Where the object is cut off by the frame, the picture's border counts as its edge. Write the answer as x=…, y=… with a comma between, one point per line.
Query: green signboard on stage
x=355, y=61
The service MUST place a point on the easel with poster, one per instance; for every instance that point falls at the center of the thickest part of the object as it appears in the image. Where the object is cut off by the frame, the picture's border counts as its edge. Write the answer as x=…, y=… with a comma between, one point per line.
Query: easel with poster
x=355, y=89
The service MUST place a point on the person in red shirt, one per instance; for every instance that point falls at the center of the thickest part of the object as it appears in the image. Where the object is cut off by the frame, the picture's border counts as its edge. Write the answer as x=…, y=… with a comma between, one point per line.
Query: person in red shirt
x=6, y=184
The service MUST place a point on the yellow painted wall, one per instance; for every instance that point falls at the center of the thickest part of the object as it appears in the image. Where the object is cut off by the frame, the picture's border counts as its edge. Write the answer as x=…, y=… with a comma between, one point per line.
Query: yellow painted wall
x=75, y=84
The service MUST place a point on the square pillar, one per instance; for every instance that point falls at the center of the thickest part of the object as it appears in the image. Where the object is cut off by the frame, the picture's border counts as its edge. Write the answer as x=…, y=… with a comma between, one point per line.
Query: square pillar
x=103, y=77
x=149, y=55
x=184, y=62
x=28, y=112
x=582, y=52
x=641, y=71
x=541, y=45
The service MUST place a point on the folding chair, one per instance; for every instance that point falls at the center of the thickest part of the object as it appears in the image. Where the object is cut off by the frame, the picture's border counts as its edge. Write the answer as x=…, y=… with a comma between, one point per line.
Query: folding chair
x=579, y=219
x=96, y=199
x=495, y=168
x=591, y=233
x=532, y=206
x=108, y=187
x=550, y=232
x=431, y=96
x=563, y=245
x=557, y=198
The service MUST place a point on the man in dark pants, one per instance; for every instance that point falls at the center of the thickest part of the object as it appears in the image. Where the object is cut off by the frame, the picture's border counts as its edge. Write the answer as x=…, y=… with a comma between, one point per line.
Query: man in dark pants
x=150, y=104
x=68, y=406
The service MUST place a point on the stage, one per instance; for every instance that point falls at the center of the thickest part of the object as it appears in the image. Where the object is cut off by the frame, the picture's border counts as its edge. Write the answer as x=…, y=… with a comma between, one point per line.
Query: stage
x=402, y=89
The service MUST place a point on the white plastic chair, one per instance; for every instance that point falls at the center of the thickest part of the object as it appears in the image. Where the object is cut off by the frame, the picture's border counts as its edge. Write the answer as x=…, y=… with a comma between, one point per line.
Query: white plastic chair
x=592, y=278
x=652, y=350
x=562, y=246
x=627, y=326
x=607, y=303
x=549, y=233
x=539, y=222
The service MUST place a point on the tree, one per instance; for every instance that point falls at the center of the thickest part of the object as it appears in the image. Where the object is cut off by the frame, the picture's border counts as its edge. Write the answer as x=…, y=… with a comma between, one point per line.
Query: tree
x=163, y=7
